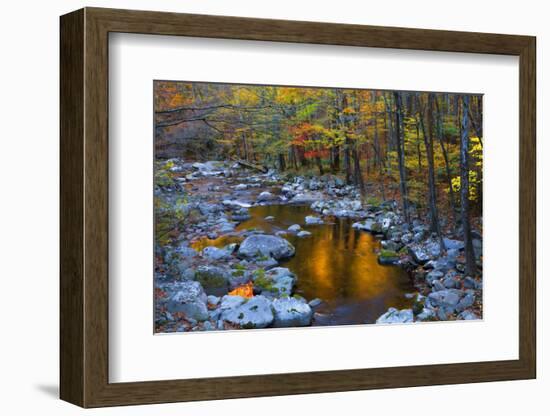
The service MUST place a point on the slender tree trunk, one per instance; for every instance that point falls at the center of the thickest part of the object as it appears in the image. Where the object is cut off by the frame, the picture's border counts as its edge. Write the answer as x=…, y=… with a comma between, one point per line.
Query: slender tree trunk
x=319, y=165
x=401, y=158
x=448, y=173
x=465, y=188
x=429, y=143
x=358, y=176
x=282, y=163
x=347, y=161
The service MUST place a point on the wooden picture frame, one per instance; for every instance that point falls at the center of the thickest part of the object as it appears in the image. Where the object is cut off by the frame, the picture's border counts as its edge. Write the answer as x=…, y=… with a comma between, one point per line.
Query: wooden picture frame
x=84, y=207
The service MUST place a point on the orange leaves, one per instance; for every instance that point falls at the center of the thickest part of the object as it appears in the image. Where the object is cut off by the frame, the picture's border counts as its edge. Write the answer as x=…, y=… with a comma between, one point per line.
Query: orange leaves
x=246, y=291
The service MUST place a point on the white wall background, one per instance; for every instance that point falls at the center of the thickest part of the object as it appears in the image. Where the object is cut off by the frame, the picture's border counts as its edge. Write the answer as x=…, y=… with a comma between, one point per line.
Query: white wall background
x=29, y=171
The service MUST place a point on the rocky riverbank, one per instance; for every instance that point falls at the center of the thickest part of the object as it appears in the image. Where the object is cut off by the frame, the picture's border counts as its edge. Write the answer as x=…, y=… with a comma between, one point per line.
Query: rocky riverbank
x=238, y=282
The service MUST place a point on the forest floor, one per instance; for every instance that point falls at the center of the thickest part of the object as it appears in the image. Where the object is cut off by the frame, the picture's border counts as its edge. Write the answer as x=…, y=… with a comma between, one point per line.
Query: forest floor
x=220, y=255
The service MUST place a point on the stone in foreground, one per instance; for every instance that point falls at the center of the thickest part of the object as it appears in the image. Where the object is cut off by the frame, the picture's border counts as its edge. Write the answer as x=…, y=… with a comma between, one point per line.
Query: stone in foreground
x=394, y=316
x=266, y=246
x=290, y=312
x=188, y=298
x=255, y=313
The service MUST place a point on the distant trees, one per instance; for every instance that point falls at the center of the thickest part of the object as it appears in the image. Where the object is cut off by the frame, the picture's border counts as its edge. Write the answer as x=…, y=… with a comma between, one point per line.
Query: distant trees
x=424, y=149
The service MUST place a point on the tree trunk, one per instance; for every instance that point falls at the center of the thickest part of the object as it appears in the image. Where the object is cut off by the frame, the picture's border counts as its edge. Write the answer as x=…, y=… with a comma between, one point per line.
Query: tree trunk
x=319, y=165
x=441, y=140
x=464, y=189
x=282, y=163
x=347, y=161
x=429, y=143
x=357, y=174
x=400, y=158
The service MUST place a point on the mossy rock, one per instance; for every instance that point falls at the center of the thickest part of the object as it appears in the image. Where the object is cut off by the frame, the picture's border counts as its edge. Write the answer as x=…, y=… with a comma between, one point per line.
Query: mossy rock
x=388, y=257
x=214, y=280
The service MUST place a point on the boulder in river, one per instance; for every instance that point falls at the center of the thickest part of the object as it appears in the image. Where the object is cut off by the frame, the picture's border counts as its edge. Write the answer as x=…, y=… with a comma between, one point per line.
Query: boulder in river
x=254, y=313
x=294, y=228
x=311, y=219
x=303, y=233
x=267, y=197
x=263, y=245
x=291, y=312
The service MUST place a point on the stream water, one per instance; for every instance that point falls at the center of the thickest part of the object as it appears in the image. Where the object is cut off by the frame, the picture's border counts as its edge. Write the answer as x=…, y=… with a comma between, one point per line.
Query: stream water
x=337, y=264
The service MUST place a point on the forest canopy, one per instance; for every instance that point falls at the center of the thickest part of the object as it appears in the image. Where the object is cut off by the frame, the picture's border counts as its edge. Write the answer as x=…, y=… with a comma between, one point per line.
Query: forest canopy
x=398, y=140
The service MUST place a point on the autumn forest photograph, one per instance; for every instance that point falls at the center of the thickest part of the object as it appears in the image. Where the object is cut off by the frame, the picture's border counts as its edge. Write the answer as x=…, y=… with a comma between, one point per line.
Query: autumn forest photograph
x=291, y=206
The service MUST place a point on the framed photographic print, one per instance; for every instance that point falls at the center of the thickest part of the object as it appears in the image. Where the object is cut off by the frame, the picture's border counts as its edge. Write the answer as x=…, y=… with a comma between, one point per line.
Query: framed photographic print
x=255, y=207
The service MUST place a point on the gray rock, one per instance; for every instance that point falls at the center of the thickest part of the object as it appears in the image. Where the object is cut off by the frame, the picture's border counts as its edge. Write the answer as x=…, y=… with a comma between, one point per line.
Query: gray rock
x=390, y=245
x=419, y=254
x=188, y=298
x=453, y=244
x=266, y=245
x=294, y=228
x=465, y=302
x=269, y=218
x=471, y=283
x=267, y=263
x=187, y=252
x=433, y=275
x=291, y=312
x=214, y=279
x=450, y=282
x=425, y=315
x=255, y=313
x=276, y=282
x=302, y=234
x=213, y=300
x=214, y=253
x=230, y=302
x=310, y=219
x=315, y=302
x=394, y=316
x=241, y=187
x=468, y=316
x=448, y=298
x=267, y=197
x=438, y=285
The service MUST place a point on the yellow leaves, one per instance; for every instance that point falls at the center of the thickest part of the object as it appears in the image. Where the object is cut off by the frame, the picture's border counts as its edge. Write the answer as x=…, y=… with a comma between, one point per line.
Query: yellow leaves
x=348, y=110
x=246, y=96
x=473, y=182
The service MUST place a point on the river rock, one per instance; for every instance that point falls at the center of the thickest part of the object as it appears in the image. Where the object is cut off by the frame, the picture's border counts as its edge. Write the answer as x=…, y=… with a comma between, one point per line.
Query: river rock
x=425, y=315
x=214, y=253
x=433, y=275
x=230, y=302
x=267, y=197
x=302, y=234
x=214, y=279
x=291, y=312
x=468, y=316
x=453, y=244
x=394, y=316
x=265, y=245
x=294, y=228
x=310, y=220
x=275, y=282
x=315, y=302
x=189, y=298
x=254, y=313
x=465, y=302
x=447, y=298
